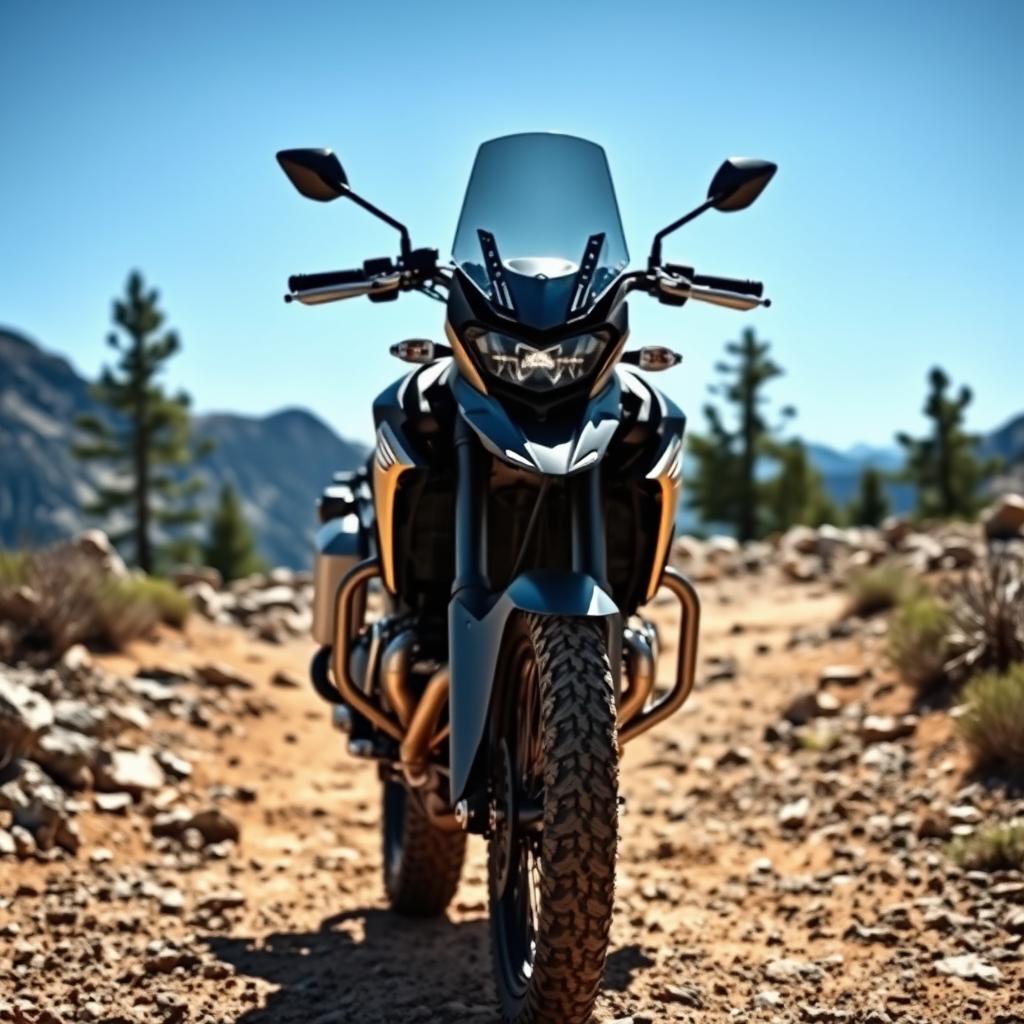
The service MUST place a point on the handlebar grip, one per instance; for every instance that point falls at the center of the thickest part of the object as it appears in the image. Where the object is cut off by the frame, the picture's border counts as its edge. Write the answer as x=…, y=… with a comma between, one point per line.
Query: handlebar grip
x=729, y=284
x=328, y=279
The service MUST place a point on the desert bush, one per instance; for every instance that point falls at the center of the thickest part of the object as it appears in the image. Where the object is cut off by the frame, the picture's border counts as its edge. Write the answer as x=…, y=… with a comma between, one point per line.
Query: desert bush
x=992, y=720
x=59, y=596
x=917, y=640
x=994, y=848
x=987, y=624
x=880, y=588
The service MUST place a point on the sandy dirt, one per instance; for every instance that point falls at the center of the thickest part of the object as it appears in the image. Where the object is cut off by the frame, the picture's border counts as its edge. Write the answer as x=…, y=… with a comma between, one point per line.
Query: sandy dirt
x=848, y=913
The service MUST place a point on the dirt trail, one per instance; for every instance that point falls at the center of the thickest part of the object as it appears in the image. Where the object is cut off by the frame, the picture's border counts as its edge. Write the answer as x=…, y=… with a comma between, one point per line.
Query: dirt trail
x=843, y=911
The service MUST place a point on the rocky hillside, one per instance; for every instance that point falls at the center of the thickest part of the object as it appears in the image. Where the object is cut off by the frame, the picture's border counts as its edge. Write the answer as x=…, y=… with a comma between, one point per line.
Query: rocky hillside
x=183, y=838
x=278, y=463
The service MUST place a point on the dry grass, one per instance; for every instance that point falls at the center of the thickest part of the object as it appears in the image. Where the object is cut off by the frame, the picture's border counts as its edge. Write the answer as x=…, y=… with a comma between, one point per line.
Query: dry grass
x=880, y=588
x=917, y=640
x=992, y=723
x=995, y=848
x=987, y=628
x=60, y=596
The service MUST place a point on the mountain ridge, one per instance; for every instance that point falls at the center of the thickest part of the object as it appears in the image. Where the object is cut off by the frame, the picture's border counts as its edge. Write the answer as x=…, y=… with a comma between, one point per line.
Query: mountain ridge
x=42, y=485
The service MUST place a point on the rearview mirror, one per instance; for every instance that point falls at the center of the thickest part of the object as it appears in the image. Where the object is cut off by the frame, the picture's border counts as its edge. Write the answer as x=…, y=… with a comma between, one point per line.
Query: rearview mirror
x=738, y=182
x=316, y=173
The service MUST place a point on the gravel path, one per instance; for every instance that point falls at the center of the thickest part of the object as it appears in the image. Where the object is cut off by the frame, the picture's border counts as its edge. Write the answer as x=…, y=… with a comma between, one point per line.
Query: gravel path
x=782, y=859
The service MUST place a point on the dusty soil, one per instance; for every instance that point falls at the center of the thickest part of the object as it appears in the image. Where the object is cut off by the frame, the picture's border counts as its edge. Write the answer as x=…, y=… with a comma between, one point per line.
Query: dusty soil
x=845, y=909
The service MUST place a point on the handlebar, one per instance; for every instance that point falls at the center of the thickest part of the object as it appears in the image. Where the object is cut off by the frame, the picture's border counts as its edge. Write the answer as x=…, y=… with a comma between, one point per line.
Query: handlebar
x=378, y=279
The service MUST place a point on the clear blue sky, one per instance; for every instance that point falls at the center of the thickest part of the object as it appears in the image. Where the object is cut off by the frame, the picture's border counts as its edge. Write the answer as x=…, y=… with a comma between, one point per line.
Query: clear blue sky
x=143, y=135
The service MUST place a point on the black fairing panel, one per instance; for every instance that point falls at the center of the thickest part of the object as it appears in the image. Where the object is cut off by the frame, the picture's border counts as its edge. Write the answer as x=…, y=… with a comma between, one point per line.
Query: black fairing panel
x=566, y=441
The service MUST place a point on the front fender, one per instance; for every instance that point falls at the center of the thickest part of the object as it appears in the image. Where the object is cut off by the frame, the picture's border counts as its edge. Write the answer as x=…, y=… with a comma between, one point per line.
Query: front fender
x=475, y=639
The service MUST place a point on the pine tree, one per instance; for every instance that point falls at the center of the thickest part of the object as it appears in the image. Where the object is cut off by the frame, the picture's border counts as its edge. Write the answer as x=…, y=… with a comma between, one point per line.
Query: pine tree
x=796, y=493
x=147, y=438
x=945, y=466
x=230, y=547
x=871, y=505
x=725, y=487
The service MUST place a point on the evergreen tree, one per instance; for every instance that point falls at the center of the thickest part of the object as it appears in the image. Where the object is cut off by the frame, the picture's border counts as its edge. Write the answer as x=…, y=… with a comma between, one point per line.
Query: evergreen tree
x=147, y=438
x=945, y=466
x=725, y=487
x=796, y=493
x=871, y=505
x=230, y=547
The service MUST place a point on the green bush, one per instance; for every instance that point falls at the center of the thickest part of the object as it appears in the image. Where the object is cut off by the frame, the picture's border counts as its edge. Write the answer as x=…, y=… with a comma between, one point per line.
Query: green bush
x=880, y=588
x=992, y=723
x=917, y=640
x=995, y=848
x=170, y=605
x=12, y=568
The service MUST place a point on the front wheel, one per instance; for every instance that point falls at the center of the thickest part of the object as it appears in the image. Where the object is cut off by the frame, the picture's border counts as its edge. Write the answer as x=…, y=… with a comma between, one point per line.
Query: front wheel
x=554, y=822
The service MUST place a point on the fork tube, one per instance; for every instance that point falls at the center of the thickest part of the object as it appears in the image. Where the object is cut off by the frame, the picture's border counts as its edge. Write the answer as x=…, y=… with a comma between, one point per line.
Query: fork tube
x=470, y=513
x=589, y=551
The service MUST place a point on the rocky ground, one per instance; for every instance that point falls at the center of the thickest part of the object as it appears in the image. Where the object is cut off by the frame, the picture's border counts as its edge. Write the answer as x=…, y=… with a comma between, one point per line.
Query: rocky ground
x=189, y=841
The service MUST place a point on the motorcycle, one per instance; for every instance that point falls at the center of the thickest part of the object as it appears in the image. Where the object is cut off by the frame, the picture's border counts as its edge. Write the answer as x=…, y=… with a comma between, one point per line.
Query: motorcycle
x=515, y=517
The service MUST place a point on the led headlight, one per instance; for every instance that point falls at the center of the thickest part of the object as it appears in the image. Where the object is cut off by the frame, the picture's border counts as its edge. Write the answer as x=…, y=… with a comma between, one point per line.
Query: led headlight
x=539, y=369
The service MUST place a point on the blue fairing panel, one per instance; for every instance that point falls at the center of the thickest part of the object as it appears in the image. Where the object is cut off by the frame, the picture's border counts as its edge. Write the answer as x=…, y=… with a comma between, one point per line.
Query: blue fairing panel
x=476, y=641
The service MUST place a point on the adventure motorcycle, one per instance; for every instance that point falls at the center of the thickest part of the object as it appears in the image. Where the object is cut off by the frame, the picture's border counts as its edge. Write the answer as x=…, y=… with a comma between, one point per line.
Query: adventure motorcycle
x=518, y=512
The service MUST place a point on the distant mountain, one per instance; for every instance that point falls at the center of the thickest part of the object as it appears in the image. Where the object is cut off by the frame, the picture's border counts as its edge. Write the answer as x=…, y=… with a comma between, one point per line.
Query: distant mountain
x=841, y=472
x=1006, y=442
x=277, y=463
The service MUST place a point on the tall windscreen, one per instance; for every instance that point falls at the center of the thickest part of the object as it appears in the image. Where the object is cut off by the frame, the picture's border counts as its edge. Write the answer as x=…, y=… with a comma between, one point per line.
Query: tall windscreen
x=540, y=233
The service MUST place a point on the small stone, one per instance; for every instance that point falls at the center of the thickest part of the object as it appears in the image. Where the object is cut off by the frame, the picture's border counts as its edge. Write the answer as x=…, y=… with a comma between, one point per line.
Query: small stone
x=794, y=815
x=76, y=659
x=215, y=826
x=886, y=728
x=682, y=994
x=223, y=676
x=129, y=771
x=112, y=803
x=841, y=675
x=971, y=968
x=788, y=969
x=171, y=901
x=216, y=902
x=286, y=680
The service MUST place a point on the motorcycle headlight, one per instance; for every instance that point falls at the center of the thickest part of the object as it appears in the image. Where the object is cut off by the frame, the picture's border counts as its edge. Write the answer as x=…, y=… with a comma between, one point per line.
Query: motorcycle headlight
x=539, y=369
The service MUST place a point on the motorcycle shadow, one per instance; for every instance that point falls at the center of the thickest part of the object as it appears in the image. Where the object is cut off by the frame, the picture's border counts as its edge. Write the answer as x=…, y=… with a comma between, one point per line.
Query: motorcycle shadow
x=369, y=966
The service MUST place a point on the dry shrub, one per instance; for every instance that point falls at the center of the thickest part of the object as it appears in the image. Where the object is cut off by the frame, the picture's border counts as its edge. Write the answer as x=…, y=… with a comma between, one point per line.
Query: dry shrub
x=992, y=722
x=880, y=588
x=916, y=641
x=995, y=848
x=987, y=628
x=60, y=596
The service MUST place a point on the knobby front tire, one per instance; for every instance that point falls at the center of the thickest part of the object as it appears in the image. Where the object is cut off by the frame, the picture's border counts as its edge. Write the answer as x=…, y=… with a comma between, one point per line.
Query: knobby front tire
x=552, y=888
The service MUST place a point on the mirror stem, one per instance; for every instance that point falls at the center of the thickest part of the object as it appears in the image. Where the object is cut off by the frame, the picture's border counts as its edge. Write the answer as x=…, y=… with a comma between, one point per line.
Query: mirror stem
x=381, y=215
x=654, y=259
